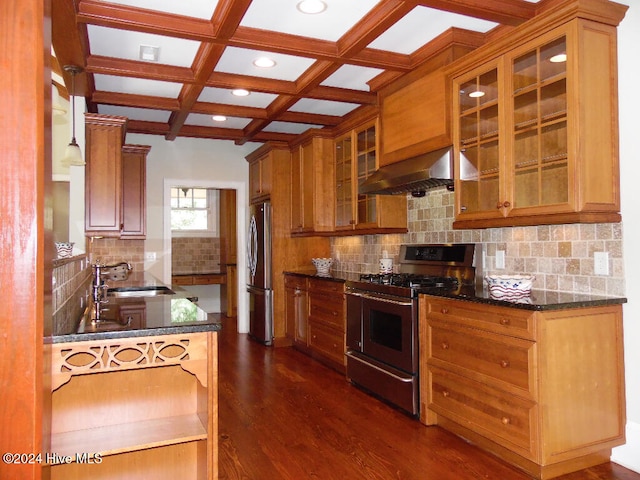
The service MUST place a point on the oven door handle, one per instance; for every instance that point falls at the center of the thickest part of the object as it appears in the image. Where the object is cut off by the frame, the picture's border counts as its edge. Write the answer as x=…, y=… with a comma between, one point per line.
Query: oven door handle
x=380, y=299
x=386, y=372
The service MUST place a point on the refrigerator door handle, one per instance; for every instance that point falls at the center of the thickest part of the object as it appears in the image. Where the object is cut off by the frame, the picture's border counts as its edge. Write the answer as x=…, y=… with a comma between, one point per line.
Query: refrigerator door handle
x=252, y=247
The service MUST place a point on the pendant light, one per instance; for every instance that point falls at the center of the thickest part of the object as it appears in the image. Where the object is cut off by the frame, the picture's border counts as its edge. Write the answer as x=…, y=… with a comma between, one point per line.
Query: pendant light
x=73, y=154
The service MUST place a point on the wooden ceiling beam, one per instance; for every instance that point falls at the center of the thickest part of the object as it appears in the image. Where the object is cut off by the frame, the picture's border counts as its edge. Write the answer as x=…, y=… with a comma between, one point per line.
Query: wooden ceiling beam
x=507, y=12
x=135, y=68
x=135, y=101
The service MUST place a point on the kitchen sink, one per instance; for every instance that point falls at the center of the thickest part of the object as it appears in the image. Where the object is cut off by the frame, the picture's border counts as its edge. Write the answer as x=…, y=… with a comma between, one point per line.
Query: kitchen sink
x=139, y=291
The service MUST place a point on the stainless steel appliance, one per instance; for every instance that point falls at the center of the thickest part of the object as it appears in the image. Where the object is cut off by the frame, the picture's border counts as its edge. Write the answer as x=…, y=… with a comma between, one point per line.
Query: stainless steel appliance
x=382, y=318
x=260, y=286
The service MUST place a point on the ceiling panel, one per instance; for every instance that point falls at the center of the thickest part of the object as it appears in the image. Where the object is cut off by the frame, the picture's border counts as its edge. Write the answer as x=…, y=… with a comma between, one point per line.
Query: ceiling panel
x=328, y=66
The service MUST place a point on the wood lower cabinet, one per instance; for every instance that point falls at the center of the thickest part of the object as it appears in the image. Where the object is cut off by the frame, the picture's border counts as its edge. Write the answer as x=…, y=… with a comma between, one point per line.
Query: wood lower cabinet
x=296, y=309
x=136, y=408
x=327, y=321
x=316, y=318
x=535, y=122
x=544, y=390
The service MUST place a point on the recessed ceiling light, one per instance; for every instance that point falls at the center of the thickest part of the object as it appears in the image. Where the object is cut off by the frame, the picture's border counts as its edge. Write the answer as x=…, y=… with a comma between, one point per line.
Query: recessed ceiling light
x=560, y=58
x=149, y=53
x=264, y=62
x=240, y=92
x=311, y=7
x=476, y=94
x=219, y=118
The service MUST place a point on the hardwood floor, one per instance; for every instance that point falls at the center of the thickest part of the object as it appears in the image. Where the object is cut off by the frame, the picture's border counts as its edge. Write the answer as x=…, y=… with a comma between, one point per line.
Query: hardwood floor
x=285, y=416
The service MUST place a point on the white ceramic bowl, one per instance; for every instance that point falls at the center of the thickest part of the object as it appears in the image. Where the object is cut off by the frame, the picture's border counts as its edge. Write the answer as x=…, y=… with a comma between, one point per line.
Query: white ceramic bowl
x=509, y=287
x=64, y=249
x=322, y=265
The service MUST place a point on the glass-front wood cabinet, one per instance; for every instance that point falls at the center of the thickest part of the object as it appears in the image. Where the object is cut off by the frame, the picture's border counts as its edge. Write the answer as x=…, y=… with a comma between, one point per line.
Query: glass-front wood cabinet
x=356, y=158
x=535, y=131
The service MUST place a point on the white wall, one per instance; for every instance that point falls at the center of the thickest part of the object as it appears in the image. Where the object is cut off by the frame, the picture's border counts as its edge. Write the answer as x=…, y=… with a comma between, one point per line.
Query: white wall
x=629, y=74
x=193, y=161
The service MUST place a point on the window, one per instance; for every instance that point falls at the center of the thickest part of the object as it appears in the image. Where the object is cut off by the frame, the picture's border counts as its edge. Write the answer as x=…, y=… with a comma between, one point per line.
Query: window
x=194, y=211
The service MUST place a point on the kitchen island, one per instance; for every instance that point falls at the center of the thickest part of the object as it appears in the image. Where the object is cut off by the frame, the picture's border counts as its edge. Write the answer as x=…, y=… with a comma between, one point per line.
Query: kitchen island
x=135, y=395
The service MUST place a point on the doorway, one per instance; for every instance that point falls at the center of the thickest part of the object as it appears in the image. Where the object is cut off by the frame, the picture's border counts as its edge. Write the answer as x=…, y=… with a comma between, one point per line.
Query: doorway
x=232, y=211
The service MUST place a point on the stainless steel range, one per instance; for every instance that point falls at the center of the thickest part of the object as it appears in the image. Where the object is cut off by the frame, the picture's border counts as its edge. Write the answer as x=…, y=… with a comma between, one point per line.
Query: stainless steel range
x=382, y=318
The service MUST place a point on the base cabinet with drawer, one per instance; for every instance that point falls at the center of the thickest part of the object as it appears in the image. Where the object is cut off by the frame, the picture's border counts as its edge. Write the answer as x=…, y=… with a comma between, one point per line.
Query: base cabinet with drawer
x=316, y=318
x=543, y=390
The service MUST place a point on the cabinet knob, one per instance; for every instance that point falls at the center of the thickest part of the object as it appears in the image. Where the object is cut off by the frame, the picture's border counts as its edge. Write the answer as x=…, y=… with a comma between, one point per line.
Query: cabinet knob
x=505, y=321
x=444, y=310
x=445, y=345
x=445, y=393
x=504, y=363
x=506, y=420
x=505, y=204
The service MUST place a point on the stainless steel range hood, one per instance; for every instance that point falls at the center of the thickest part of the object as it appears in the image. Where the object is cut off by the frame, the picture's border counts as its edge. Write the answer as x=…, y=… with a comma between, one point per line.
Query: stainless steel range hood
x=414, y=175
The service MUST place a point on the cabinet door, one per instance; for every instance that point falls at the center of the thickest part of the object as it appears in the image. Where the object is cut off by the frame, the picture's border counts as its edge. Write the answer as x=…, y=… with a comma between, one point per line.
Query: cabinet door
x=260, y=179
x=297, y=220
x=103, y=174
x=478, y=146
x=134, y=165
x=344, y=182
x=366, y=155
x=538, y=109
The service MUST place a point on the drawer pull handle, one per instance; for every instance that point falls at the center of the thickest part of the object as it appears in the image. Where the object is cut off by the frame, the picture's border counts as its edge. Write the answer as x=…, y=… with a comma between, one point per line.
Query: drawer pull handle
x=445, y=394
x=445, y=345
x=504, y=363
x=444, y=310
x=505, y=321
x=506, y=420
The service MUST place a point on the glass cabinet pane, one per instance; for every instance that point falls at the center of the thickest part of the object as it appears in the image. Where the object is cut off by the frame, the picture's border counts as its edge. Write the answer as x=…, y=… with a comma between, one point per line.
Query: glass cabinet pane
x=344, y=184
x=366, y=163
x=479, y=159
x=540, y=126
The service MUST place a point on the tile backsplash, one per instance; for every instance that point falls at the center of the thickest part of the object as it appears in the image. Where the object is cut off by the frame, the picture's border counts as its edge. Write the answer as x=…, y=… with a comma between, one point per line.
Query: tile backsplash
x=560, y=256
x=195, y=255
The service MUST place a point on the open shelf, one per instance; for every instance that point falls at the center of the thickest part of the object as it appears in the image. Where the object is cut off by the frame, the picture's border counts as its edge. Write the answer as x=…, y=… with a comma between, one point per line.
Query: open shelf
x=115, y=439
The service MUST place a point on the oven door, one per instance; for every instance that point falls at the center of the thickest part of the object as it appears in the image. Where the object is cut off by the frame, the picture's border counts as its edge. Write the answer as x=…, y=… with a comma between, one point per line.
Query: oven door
x=390, y=331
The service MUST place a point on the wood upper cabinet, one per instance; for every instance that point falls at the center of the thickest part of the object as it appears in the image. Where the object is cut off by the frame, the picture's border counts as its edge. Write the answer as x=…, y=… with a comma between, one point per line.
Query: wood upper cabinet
x=103, y=174
x=535, y=128
x=115, y=180
x=134, y=191
x=544, y=390
x=259, y=179
x=356, y=158
x=312, y=186
x=415, y=118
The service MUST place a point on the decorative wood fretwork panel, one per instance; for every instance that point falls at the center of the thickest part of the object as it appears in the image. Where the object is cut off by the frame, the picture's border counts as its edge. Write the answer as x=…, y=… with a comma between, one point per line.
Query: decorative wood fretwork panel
x=81, y=358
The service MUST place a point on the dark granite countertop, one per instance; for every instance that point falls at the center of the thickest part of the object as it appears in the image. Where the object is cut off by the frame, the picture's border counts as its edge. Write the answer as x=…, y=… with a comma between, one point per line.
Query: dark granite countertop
x=124, y=317
x=538, y=300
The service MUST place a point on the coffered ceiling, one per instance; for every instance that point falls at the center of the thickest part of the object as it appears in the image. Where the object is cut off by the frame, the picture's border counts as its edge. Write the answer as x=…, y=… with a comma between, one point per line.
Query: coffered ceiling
x=327, y=65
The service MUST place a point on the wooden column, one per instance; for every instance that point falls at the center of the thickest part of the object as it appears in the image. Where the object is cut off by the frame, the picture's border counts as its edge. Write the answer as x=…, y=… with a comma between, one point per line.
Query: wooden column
x=25, y=243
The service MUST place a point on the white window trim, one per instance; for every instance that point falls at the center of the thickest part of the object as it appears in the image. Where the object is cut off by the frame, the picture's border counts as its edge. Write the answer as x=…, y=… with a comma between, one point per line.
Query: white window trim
x=213, y=202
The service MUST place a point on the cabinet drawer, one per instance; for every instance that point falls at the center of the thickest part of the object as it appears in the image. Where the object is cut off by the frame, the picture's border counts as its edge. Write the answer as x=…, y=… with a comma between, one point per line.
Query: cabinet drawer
x=501, y=417
x=326, y=286
x=214, y=279
x=327, y=341
x=505, y=362
x=293, y=281
x=327, y=309
x=502, y=320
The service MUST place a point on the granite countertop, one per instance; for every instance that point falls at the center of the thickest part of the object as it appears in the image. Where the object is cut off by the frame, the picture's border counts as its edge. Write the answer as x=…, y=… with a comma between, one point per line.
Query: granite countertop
x=538, y=300
x=123, y=317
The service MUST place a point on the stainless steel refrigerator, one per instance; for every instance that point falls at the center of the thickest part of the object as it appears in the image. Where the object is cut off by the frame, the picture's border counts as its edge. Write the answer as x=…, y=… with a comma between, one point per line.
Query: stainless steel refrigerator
x=259, y=261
